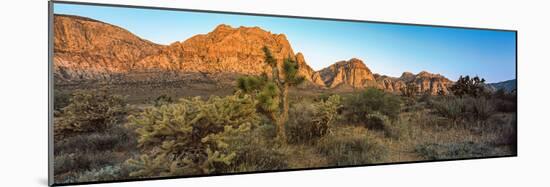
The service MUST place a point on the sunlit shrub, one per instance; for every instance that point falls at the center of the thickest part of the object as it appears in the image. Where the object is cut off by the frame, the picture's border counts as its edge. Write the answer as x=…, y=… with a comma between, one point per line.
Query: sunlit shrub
x=352, y=146
x=310, y=121
x=357, y=107
x=89, y=111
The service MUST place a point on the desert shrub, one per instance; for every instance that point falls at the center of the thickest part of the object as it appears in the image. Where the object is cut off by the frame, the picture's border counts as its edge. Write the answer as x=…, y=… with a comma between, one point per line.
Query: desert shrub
x=89, y=111
x=465, y=109
x=323, y=97
x=481, y=109
x=190, y=137
x=162, y=100
x=426, y=98
x=82, y=161
x=105, y=173
x=115, y=138
x=376, y=121
x=60, y=99
x=451, y=108
x=504, y=101
x=266, y=130
x=507, y=135
x=395, y=129
x=352, y=146
x=311, y=121
x=87, y=152
x=255, y=151
x=439, y=151
x=357, y=107
x=502, y=105
x=101, y=174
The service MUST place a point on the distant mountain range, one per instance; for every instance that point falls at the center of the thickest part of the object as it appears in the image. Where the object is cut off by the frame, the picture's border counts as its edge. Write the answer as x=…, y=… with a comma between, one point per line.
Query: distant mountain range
x=507, y=86
x=91, y=50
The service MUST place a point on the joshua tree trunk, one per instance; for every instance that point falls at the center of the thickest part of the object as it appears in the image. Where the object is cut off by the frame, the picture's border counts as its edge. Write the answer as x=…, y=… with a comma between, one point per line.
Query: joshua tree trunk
x=283, y=116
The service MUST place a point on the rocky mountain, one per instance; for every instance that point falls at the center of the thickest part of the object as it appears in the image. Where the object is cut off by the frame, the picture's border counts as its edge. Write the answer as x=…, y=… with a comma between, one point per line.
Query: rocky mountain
x=87, y=49
x=424, y=82
x=352, y=73
x=355, y=74
x=90, y=49
x=507, y=86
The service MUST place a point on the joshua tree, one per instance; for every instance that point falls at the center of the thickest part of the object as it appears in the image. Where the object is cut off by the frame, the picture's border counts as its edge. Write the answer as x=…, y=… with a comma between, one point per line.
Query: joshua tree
x=469, y=86
x=272, y=91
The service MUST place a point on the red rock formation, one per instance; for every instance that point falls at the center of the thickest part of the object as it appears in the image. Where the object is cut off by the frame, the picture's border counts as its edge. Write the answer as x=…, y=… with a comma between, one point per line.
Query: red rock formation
x=425, y=82
x=90, y=49
x=353, y=73
x=86, y=48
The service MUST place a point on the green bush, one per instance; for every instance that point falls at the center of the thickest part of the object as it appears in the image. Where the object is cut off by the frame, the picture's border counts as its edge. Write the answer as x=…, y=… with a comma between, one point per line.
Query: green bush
x=395, y=129
x=451, y=108
x=376, y=121
x=455, y=108
x=190, y=137
x=352, y=146
x=89, y=111
x=357, y=107
x=311, y=121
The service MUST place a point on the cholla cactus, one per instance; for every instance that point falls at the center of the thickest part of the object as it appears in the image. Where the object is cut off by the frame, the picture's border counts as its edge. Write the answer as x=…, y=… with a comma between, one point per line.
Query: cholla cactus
x=89, y=111
x=189, y=137
x=272, y=92
x=328, y=110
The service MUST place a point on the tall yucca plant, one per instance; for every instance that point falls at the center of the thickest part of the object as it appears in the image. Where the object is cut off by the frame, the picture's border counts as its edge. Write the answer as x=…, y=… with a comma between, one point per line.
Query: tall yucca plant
x=272, y=92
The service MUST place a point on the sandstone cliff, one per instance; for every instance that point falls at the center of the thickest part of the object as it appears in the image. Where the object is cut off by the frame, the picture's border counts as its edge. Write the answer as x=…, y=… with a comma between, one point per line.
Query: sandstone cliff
x=353, y=73
x=425, y=82
x=86, y=49
x=228, y=50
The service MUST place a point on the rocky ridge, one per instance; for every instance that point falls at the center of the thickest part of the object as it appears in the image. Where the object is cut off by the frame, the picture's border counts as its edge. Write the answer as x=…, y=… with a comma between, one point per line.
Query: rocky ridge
x=90, y=49
x=87, y=49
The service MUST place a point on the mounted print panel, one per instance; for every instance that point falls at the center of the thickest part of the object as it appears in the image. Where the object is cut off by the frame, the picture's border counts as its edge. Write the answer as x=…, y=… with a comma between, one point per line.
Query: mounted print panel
x=151, y=93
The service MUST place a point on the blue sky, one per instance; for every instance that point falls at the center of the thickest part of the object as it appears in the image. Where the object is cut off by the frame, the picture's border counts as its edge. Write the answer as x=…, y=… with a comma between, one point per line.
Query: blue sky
x=388, y=49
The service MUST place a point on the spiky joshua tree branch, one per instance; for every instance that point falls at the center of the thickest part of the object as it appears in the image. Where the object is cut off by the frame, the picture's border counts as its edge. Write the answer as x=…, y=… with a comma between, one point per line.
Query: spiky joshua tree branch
x=272, y=92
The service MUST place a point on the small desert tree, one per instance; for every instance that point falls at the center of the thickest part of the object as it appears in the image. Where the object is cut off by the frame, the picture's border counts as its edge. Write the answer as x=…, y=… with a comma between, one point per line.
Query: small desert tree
x=469, y=86
x=272, y=92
